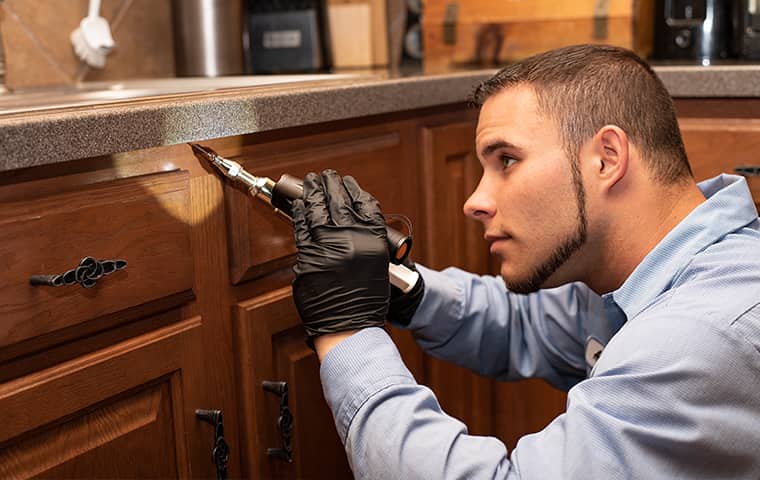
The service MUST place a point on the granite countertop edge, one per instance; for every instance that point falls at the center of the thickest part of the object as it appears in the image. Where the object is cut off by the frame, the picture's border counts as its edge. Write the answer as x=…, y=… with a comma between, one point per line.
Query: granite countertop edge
x=41, y=138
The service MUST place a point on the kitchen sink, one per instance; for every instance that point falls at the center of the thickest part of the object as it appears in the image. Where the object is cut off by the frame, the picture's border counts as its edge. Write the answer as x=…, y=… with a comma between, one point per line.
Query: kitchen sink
x=96, y=93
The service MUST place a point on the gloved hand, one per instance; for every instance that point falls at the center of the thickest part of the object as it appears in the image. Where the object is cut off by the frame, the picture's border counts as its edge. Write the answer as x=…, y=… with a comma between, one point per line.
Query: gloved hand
x=342, y=263
x=402, y=305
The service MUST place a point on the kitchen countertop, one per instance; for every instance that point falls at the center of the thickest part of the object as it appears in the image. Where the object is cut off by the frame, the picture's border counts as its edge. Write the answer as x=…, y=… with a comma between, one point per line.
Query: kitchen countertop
x=52, y=136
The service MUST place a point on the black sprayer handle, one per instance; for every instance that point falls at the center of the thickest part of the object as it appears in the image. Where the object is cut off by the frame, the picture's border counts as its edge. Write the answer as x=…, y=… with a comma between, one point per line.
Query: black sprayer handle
x=289, y=188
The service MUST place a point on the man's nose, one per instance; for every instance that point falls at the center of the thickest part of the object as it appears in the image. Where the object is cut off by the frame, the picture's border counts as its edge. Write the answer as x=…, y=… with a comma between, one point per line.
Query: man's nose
x=480, y=206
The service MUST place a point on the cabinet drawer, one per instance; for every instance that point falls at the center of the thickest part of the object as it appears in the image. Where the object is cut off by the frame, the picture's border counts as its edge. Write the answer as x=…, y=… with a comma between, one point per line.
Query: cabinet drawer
x=719, y=145
x=141, y=220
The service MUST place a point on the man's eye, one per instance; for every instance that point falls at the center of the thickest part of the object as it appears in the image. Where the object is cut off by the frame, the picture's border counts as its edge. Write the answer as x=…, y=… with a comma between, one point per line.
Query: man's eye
x=508, y=161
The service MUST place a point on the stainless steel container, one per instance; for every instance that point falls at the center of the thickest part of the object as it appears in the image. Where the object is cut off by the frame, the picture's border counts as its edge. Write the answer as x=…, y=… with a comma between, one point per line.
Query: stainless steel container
x=747, y=26
x=208, y=37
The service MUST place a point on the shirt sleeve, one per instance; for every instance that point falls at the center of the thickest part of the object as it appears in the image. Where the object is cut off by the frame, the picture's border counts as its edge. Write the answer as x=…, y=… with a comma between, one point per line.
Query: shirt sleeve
x=394, y=428
x=475, y=322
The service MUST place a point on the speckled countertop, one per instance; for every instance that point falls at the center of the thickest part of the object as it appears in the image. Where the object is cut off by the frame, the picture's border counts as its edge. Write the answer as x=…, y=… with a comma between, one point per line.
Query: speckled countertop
x=52, y=136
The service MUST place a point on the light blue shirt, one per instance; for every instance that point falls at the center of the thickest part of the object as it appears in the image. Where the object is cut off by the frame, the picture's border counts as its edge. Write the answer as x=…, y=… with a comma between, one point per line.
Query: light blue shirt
x=675, y=392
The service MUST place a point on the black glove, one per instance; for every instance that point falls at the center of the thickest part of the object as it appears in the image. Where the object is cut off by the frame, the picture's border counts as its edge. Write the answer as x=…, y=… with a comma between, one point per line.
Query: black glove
x=403, y=305
x=342, y=264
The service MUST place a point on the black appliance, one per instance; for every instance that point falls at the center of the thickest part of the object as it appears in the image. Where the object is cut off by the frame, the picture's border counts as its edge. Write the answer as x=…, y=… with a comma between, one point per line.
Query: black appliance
x=286, y=36
x=700, y=31
x=747, y=25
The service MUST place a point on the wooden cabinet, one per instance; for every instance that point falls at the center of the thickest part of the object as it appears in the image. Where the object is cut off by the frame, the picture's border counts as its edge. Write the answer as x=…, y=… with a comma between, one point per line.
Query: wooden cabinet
x=269, y=337
x=101, y=370
x=105, y=381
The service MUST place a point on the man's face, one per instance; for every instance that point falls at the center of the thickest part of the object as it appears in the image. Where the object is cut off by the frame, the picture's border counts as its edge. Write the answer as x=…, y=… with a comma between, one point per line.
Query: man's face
x=529, y=200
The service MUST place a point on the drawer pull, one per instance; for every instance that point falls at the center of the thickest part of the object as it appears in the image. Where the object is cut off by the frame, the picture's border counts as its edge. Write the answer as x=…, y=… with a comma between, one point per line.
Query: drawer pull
x=85, y=274
x=284, y=422
x=220, y=454
x=748, y=171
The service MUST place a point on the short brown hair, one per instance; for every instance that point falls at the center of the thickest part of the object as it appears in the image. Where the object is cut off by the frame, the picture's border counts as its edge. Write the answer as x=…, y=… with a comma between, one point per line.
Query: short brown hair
x=584, y=87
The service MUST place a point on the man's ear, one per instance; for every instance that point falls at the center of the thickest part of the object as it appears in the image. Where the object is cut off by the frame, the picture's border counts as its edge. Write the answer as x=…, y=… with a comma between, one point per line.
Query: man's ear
x=611, y=148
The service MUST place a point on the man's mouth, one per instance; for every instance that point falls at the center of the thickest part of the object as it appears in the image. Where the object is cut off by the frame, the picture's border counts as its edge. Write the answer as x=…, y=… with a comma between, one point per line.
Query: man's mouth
x=490, y=238
x=495, y=240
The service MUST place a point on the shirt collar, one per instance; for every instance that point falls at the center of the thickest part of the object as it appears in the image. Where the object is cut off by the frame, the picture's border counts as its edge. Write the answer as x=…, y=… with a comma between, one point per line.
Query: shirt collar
x=729, y=207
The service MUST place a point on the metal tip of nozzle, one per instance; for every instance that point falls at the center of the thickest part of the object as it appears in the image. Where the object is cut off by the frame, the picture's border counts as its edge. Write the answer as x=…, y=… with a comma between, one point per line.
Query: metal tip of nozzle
x=230, y=168
x=204, y=153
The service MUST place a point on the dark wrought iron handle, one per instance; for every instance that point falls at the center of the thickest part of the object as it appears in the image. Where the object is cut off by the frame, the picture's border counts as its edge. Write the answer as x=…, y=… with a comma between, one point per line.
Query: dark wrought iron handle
x=748, y=171
x=85, y=274
x=284, y=421
x=220, y=454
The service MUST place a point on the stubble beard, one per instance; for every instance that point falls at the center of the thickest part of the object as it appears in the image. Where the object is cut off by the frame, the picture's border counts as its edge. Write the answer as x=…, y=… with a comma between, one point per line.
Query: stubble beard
x=562, y=252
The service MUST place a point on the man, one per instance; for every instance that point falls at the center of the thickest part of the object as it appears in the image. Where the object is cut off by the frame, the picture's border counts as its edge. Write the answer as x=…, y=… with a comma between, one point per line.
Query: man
x=622, y=281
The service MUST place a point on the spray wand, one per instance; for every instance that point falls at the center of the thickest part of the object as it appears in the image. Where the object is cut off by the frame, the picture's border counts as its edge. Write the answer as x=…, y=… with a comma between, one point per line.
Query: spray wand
x=280, y=195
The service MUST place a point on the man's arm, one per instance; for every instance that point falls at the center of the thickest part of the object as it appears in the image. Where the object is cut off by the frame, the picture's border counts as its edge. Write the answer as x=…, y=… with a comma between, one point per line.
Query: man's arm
x=473, y=321
x=391, y=426
x=662, y=406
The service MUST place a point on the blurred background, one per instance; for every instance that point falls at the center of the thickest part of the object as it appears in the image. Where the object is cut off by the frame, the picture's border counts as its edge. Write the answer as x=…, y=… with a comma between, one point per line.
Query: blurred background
x=174, y=38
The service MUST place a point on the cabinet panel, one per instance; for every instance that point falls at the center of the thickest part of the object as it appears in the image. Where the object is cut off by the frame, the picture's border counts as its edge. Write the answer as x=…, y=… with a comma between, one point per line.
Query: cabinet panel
x=451, y=171
x=261, y=242
x=114, y=413
x=717, y=146
x=271, y=347
x=141, y=220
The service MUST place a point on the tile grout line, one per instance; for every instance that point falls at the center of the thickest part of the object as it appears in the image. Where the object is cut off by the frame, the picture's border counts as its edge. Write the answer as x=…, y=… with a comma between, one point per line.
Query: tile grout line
x=48, y=57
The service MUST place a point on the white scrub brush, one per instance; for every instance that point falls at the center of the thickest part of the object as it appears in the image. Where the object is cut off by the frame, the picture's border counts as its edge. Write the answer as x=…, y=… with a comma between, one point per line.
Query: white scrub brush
x=92, y=41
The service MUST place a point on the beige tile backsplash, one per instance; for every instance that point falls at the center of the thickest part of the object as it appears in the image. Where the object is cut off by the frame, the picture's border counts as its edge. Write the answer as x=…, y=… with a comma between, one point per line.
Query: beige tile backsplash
x=38, y=51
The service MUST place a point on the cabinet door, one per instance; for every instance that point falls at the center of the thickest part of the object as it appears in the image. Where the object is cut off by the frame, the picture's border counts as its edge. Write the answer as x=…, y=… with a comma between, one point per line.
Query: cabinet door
x=724, y=145
x=451, y=172
x=376, y=155
x=271, y=348
x=126, y=411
